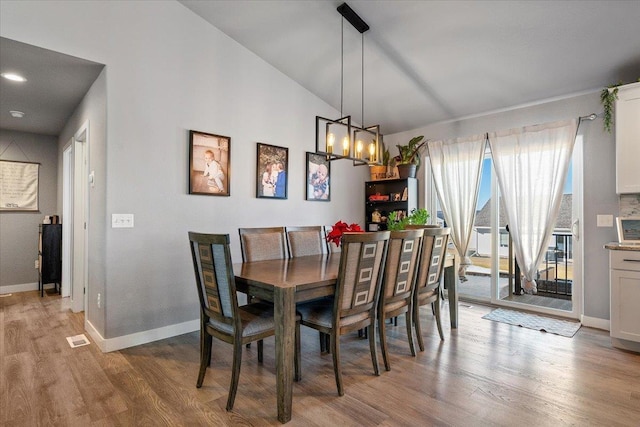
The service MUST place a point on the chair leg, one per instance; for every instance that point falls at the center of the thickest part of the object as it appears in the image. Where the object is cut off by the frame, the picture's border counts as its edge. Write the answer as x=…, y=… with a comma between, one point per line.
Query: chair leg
x=297, y=360
x=260, y=344
x=374, y=352
x=409, y=321
x=235, y=374
x=438, y=322
x=335, y=351
x=416, y=322
x=383, y=342
x=323, y=342
x=205, y=357
x=327, y=342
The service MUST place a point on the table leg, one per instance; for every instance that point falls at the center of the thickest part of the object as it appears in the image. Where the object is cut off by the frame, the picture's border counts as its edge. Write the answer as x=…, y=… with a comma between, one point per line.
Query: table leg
x=451, y=282
x=284, y=312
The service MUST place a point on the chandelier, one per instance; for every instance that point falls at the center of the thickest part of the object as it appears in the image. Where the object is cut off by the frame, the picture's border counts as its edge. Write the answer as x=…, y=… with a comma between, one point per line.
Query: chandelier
x=339, y=138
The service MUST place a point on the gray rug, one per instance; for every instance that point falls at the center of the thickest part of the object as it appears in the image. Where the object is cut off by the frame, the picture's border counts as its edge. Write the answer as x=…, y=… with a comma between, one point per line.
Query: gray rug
x=566, y=328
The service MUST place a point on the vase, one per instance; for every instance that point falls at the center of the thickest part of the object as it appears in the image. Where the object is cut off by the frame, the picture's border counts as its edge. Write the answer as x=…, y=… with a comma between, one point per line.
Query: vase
x=407, y=171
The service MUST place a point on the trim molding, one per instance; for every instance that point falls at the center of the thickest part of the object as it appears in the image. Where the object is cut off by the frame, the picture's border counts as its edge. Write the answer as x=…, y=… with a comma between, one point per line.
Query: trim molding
x=595, y=322
x=23, y=287
x=139, y=338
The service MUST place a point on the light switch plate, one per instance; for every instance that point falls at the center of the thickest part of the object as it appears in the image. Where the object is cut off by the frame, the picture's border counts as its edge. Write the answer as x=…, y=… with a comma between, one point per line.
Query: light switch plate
x=605, y=221
x=121, y=220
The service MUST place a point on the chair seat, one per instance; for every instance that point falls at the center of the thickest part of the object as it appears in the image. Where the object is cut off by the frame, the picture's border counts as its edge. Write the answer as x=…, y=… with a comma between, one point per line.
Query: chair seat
x=320, y=313
x=256, y=318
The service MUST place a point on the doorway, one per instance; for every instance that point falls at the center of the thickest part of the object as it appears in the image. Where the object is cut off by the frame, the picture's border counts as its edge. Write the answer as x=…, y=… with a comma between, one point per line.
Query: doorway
x=75, y=202
x=493, y=276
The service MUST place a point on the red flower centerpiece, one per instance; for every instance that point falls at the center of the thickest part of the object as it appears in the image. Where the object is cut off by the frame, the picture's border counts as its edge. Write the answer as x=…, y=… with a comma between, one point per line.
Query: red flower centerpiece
x=339, y=228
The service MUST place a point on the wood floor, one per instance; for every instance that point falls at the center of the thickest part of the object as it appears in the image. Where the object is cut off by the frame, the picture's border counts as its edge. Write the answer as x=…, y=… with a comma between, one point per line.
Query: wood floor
x=483, y=374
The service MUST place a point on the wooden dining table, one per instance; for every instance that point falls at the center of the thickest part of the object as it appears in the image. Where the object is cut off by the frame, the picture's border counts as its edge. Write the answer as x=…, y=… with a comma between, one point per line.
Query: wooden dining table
x=288, y=281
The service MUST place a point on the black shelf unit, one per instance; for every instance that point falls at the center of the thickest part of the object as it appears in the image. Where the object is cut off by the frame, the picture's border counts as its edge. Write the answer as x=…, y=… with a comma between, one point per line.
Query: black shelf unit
x=389, y=187
x=49, y=256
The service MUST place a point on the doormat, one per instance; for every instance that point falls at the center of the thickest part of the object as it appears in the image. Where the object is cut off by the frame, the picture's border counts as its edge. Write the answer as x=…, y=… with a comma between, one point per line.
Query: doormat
x=78, y=341
x=564, y=328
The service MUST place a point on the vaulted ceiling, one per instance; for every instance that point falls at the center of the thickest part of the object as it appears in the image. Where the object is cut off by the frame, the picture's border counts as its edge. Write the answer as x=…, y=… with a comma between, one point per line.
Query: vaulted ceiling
x=431, y=61
x=424, y=61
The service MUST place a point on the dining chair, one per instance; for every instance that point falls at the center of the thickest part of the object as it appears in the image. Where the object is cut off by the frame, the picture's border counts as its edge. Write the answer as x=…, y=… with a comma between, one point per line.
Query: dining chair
x=356, y=295
x=306, y=240
x=427, y=288
x=398, y=284
x=262, y=243
x=220, y=315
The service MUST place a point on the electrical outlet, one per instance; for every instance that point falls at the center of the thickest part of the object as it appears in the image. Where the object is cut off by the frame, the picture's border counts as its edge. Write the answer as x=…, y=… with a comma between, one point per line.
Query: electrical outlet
x=98, y=301
x=36, y=264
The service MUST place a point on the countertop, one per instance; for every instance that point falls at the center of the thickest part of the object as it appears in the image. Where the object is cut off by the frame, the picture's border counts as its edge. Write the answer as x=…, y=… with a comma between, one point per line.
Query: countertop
x=614, y=246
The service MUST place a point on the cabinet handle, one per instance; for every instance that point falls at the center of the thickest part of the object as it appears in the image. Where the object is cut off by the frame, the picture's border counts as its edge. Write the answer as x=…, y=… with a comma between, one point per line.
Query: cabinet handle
x=631, y=260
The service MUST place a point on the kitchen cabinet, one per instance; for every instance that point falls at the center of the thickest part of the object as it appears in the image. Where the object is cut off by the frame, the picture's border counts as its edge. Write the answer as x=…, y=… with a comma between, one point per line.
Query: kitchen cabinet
x=625, y=298
x=627, y=128
x=386, y=196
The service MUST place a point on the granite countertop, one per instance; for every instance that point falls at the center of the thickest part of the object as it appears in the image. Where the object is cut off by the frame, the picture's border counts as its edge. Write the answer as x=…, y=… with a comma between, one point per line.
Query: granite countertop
x=622, y=246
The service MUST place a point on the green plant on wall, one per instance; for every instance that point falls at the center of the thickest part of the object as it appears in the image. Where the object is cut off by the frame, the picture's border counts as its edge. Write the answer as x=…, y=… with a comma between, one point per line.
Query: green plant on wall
x=608, y=97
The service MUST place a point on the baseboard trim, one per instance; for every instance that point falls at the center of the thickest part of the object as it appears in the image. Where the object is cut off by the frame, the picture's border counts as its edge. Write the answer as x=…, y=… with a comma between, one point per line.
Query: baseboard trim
x=144, y=337
x=98, y=339
x=595, y=322
x=23, y=287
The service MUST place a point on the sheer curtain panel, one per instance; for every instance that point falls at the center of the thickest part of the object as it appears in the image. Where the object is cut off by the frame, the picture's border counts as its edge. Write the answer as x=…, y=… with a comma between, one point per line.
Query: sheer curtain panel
x=531, y=164
x=456, y=165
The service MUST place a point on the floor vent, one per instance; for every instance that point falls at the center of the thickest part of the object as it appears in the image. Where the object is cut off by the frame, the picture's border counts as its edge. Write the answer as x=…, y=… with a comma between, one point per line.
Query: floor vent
x=78, y=341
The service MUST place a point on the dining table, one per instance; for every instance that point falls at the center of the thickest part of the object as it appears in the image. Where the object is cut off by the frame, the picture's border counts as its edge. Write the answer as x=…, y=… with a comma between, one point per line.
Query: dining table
x=288, y=281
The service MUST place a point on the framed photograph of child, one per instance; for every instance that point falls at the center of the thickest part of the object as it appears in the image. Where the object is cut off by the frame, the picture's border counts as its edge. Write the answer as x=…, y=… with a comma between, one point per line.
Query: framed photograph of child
x=271, y=171
x=209, y=164
x=318, y=174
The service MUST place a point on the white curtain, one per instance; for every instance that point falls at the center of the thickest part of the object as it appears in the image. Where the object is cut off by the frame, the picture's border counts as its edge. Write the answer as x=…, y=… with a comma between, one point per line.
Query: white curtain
x=531, y=164
x=456, y=165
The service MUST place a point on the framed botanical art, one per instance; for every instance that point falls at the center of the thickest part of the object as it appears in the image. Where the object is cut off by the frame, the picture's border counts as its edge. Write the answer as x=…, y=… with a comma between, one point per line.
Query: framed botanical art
x=271, y=176
x=209, y=162
x=318, y=174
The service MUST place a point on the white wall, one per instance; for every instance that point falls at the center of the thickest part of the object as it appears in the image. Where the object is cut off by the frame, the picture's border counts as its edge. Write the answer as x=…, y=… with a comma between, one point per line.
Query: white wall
x=168, y=71
x=19, y=230
x=599, y=177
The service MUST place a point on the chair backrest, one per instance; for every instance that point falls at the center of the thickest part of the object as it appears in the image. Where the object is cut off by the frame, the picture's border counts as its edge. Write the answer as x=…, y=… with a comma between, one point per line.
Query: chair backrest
x=434, y=250
x=400, y=269
x=214, y=277
x=359, y=279
x=306, y=240
x=259, y=244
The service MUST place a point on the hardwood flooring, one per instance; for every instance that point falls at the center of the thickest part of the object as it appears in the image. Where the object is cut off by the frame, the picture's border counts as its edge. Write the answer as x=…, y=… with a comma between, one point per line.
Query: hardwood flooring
x=483, y=374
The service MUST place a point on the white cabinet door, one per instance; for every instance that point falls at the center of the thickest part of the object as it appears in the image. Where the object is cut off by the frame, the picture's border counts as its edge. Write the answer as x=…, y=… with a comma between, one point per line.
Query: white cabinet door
x=627, y=125
x=625, y=295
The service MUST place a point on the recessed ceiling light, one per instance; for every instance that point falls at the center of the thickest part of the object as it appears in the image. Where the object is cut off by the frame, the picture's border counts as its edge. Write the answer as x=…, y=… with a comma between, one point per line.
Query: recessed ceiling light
x=17, y=114
x=13, y=77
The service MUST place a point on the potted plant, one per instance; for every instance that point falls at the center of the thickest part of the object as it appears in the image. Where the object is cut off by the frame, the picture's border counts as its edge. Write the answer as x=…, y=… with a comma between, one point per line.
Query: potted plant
x=396, y=221
x=381, y=171
x=408, y=161
x=608, y=98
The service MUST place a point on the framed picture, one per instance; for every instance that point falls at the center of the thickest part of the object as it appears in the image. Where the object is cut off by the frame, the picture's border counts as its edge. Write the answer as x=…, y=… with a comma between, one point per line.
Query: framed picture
x=318, y=174
x=19, y=186
x=629, y=230
x=209, y=161
x=271, y=171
